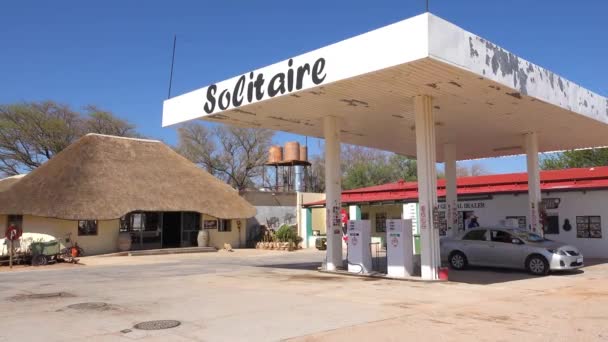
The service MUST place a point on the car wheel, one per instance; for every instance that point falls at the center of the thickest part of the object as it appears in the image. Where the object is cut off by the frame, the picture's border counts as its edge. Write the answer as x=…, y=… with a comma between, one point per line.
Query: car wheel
x=458, y=260
x=537, y=265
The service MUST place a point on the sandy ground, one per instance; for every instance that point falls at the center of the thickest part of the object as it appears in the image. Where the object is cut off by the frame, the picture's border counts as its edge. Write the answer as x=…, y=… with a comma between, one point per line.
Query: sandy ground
x=253, y=295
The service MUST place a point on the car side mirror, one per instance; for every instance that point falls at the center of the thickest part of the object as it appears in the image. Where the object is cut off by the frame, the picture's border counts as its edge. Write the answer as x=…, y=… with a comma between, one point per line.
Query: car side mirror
x=516, y=242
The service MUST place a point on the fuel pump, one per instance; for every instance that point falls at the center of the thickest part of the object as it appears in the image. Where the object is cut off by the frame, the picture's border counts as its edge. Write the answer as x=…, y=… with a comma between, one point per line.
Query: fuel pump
x=399, y=248
x=358, y=244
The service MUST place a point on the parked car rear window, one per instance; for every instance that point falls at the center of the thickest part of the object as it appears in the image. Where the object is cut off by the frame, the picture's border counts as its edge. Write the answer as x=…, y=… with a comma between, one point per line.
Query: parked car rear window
x=479, y=235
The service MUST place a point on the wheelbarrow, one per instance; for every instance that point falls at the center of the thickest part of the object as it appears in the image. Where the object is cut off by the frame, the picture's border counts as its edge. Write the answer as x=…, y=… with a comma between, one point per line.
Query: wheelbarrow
x=44, y=253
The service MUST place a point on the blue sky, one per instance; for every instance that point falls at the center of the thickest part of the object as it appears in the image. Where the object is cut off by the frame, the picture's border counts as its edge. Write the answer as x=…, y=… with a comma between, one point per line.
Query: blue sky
x=116, y=53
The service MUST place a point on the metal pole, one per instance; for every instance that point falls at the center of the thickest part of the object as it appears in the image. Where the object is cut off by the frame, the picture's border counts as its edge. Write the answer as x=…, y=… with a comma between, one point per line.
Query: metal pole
x=162, y=228
x=181, y=228
x=172, y=62
x=10, y=262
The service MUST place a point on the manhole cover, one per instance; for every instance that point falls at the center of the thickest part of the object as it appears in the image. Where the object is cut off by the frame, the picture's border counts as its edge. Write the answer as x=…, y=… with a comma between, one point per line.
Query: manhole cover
x=90, y=306
x=157, y=325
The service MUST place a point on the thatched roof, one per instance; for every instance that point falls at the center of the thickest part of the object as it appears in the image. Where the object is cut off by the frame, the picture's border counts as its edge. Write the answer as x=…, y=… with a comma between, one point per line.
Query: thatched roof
x=104, y=177
x=7, y=182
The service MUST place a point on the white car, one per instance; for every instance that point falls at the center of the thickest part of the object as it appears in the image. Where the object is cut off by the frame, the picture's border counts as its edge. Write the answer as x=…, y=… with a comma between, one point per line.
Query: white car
x=510, y=248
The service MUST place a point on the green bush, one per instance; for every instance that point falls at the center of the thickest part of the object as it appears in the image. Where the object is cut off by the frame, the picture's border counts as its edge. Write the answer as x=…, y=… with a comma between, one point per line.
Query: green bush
x=286, y=234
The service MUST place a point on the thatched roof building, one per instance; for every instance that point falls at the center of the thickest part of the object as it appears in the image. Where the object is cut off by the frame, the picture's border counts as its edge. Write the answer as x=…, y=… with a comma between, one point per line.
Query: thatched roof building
x=104, y=177
x=7, y=182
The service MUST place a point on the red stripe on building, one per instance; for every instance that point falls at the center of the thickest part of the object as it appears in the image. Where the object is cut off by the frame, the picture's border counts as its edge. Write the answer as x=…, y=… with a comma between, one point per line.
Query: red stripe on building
x=555, y=180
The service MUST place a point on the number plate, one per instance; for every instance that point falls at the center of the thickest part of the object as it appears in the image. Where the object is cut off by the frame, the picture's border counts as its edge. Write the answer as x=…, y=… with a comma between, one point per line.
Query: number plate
x=579, y=260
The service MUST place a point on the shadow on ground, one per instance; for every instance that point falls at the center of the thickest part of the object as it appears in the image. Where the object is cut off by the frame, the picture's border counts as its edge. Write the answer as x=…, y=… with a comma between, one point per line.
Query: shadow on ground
x=593, y=262
x=487, y=276
x=295, y=266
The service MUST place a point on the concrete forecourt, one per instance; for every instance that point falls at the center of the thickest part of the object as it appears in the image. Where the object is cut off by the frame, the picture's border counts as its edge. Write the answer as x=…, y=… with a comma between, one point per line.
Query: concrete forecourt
x=252, y=295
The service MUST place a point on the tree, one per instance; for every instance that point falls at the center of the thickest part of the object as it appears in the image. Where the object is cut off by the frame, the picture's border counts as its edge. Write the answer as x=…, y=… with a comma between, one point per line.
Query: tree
x=362, y=167
x=104, y=122
x=233, y=154
x=32, y=133
x=575, y=158
x=473, y=170
x=406, y=168
x=317, y=173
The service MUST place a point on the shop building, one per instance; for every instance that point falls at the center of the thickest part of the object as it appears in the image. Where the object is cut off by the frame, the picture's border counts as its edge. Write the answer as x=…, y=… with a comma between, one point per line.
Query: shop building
x=574, y=206
x=102, y=185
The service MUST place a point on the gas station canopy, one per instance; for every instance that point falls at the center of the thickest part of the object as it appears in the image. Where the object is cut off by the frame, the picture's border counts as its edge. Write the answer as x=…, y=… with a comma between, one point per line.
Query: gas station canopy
x=484, y=97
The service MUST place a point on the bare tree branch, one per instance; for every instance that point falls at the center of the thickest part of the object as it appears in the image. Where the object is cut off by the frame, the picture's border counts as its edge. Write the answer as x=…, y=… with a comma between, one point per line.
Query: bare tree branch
x=32, y=133
x=233, y=154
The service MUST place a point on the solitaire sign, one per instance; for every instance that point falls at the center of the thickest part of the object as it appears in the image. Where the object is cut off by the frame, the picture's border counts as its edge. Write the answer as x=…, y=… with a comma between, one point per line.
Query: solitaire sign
x=254, y=87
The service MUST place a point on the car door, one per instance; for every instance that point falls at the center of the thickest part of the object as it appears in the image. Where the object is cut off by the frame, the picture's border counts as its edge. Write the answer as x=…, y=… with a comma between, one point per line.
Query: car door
x=474, y=245
x=503, y=252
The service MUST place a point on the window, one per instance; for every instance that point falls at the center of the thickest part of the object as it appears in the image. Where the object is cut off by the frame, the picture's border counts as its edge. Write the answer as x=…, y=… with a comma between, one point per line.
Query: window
x=365, y=216
x=88, y=227
x=521, y=221
x=225, y=226
x=137, y=221
x=552, y=224
x=589, y=227
x=476, y=235
x=16, y=220
x=500, y=236
x=152, y=221
x=380, y=222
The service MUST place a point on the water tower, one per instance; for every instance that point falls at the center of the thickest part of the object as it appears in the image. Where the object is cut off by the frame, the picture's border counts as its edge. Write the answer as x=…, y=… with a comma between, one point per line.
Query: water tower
x=287, y=168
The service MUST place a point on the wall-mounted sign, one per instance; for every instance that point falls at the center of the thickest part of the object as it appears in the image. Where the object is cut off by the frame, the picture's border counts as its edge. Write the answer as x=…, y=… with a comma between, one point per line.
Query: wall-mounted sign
x=210, y=224
x=465, y=205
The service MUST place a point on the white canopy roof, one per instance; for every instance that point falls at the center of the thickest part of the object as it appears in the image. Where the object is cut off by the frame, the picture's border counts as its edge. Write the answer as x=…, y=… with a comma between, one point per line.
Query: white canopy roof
x=485, y=98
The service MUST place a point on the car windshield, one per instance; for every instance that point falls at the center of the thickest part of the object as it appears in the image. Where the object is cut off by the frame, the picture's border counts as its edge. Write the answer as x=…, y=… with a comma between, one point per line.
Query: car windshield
x=528, y=236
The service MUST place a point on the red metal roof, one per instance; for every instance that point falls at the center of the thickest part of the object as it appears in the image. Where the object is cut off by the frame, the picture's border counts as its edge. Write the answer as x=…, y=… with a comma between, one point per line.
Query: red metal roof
x=568, y=179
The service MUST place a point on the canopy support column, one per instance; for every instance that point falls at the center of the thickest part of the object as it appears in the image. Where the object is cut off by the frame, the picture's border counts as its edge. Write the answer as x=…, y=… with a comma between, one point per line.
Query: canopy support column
x=427, y=186
x=333, y=189
x=534, y=196
x=451, y=197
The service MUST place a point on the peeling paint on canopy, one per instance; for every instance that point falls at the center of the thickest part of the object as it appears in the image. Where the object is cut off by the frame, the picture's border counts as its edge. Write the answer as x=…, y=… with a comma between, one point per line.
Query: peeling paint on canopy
x=493, y=62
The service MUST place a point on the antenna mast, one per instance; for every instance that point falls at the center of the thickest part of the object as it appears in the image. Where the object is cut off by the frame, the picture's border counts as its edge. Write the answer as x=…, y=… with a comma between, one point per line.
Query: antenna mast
x=172, y=62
